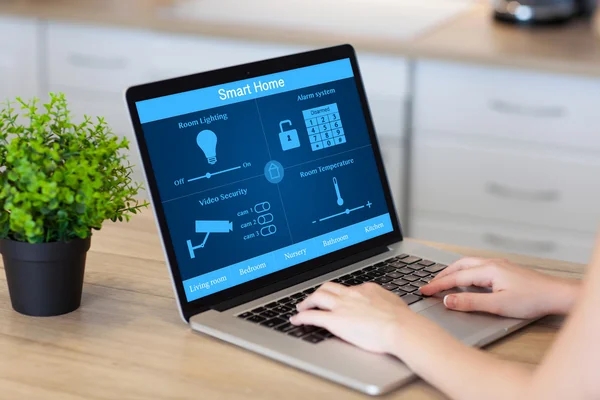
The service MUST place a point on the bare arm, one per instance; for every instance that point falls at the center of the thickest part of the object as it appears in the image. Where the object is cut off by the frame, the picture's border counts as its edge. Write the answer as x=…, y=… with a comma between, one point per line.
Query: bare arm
x=572, y=368
x=372, y=318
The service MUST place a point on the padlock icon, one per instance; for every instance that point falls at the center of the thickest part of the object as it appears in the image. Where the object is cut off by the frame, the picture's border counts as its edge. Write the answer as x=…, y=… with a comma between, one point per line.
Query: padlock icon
x=289, y=139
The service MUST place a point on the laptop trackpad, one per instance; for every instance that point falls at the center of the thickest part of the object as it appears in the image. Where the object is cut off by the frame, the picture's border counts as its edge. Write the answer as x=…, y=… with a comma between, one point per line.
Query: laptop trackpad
x=460, y=324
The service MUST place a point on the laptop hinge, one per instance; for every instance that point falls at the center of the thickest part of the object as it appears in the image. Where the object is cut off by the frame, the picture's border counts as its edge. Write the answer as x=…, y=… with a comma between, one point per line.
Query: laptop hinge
x=314, y=273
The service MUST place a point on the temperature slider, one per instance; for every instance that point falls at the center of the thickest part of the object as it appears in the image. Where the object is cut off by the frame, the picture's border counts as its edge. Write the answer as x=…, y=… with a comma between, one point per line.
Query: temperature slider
x=214, y=226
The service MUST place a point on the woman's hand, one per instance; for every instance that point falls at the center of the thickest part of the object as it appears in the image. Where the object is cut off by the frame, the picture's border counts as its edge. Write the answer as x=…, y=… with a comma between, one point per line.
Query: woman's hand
x=516, y=292
x=367, y=315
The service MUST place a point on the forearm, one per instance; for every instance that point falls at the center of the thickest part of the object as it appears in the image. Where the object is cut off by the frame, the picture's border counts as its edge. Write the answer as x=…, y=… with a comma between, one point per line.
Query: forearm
x=459, y=371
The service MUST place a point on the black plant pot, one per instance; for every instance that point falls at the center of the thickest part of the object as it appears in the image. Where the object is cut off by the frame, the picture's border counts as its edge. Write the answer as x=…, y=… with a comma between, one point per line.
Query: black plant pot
x=44, y=279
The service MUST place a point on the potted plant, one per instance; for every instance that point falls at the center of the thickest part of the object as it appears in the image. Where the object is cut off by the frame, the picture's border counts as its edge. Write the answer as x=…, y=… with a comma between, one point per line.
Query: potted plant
x=59, y=180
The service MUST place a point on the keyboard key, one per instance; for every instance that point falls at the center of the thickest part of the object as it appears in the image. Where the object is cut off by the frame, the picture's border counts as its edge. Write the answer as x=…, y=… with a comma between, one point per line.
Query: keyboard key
x=294, y=302
x=368, y=277
x=396, y=275
x=347, y=276
x=387, y=269
x=420, y=274
x=288, y=315
x=285, y=300
x=285, y=327
x=272, y=323
x=410, y=299
x=268, y=314
x=338, y=280
x=418, y=284
x=405, y=270
x=298, y=332
x=427, y=279
x=256, y=319
x=281, y=309
x=271, y=305
x=415, y=266
x=245, y=315
x=411, y=260
x=402, y=256
x=361, y=279
x=259, y=310
x=389, y=286
x=379, y=264
x=397, y=264
x=377, y=273
x=309, y=291
x=411, y=278
x=399, y=292
x=369, y=268
x=435, y=268
x=353, y=282
x=297, y=295
x=383, y=279
x=408, y=288
x=313, y=339
x=356, y=273
x=400, y=282
x=426, y=263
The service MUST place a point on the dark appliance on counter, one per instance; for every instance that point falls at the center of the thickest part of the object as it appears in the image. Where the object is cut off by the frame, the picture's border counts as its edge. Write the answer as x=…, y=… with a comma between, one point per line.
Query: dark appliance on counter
x=541, y=11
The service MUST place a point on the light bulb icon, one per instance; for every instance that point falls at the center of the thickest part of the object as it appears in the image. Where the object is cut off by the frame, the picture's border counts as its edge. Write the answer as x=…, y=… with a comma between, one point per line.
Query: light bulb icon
x=207, y=141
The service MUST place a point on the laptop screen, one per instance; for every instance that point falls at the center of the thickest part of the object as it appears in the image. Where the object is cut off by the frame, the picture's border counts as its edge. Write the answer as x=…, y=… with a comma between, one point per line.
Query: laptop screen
x=262, y=174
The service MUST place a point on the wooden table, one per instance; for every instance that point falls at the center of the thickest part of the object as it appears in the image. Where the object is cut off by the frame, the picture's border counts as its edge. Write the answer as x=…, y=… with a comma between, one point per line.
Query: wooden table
x=127, y=340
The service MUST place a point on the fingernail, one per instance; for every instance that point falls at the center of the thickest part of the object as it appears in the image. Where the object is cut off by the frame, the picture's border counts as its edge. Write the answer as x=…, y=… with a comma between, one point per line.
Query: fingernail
x=293, y=319
x=449, y=301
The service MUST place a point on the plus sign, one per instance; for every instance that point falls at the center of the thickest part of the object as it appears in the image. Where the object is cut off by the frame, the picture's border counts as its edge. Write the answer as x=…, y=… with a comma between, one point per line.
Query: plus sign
x=369, y=204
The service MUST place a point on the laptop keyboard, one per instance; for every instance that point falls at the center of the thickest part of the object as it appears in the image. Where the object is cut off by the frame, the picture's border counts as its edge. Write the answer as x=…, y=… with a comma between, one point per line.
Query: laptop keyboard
x=402, y=275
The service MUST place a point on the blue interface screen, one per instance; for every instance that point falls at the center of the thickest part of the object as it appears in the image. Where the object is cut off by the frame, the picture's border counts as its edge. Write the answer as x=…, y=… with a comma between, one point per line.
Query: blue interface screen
x=258, y=175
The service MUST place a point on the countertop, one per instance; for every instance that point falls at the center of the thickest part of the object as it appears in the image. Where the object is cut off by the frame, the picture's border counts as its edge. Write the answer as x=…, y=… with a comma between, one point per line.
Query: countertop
x=572, y=48
x=127, y=340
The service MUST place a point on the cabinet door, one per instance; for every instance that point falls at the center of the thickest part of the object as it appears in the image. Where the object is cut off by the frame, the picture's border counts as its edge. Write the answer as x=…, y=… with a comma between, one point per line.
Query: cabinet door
x=18, y=59
x=392, y=152
x=185, y=55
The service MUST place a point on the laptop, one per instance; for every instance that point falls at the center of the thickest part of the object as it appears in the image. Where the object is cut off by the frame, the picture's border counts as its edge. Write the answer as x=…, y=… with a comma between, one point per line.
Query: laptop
x=267, y=181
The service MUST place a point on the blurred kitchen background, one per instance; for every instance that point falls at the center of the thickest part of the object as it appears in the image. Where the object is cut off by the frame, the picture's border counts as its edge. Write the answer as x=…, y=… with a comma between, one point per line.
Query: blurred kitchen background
x=490, y=130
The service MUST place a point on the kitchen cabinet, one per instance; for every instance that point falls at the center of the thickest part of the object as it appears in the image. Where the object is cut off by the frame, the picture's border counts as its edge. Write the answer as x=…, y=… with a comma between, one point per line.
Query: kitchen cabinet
x=505, y=159
x=19, y=62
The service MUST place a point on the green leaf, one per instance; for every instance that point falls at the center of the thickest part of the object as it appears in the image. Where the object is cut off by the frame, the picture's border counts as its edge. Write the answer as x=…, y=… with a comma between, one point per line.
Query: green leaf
x=60, y=180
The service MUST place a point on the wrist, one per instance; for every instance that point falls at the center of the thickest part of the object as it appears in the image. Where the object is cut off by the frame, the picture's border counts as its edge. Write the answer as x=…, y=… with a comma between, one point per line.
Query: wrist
x=562, y=295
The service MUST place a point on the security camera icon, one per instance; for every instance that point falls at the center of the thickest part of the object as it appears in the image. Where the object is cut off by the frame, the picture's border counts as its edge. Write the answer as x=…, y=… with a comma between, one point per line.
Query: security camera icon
x=208, y=227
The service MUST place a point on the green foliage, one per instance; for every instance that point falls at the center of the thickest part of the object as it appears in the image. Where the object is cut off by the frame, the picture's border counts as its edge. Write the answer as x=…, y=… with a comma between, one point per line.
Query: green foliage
x=60, y=180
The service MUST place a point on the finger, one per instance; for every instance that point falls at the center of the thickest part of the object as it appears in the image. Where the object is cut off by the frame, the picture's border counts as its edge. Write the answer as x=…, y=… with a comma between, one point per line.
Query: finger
x=322, y=299
x=468, y=302
x=476, y=276
x=463, y=263
x=313, y=317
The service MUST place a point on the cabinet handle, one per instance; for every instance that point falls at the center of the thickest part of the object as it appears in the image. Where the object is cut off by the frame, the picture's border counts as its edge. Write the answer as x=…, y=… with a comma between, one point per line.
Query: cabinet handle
x=496, y=189
x=90, y=61
x=505, y=107
x=538, y=246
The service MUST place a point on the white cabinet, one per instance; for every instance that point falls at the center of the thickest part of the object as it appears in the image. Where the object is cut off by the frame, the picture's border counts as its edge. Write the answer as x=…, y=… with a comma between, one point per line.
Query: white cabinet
x=544, y=189
x=503, y=237
x=18, y=58
x=506, y=160
x=185, y=55
x=96, y=59
x=533, y=107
